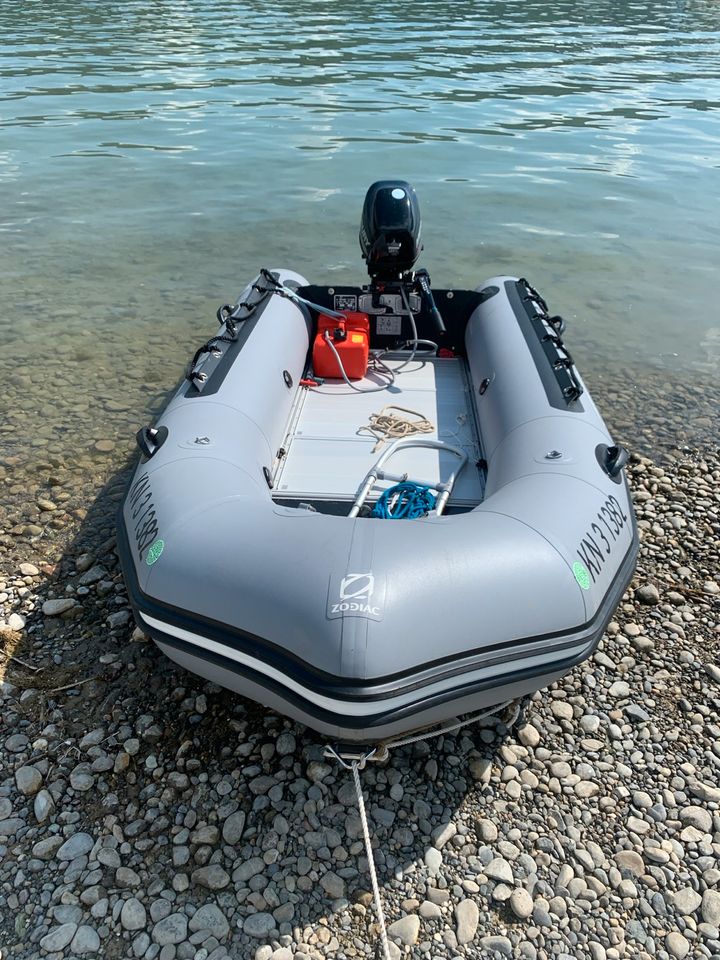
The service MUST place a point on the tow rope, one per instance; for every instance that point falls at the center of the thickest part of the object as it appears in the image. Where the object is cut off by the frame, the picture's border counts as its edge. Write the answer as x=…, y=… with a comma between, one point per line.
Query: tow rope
x=356, y=763
x=405, y=501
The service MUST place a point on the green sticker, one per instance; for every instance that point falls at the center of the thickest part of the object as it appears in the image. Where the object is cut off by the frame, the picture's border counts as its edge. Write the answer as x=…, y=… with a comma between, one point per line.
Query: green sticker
x=580, y=572
x=156, y=549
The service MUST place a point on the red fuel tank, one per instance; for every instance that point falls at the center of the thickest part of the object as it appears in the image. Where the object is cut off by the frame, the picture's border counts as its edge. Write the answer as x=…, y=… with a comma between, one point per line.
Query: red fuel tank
x=351, y=339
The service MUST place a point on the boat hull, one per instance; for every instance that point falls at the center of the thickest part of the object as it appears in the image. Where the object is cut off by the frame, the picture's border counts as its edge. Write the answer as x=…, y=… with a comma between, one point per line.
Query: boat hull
x=360, y=628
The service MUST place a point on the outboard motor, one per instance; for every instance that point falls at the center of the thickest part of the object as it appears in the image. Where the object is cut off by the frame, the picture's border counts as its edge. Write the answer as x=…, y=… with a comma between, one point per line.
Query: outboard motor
x=390, y=242
x=390, y=229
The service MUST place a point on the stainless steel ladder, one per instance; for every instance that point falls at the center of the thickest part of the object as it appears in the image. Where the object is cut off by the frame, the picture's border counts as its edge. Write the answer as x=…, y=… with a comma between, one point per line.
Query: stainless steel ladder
x=376, y=472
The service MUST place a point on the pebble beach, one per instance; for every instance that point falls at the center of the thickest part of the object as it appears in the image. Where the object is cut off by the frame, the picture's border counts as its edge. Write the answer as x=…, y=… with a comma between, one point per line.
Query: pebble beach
x=147, y=814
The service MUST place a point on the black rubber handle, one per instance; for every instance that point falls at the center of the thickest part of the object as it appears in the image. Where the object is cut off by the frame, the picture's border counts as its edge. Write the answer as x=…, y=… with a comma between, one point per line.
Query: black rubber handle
x=558, y=323
x=150, y=439
x=616, y=458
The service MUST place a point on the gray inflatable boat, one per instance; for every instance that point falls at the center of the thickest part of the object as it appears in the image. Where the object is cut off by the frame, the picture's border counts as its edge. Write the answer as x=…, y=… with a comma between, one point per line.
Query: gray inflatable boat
x=438, y=523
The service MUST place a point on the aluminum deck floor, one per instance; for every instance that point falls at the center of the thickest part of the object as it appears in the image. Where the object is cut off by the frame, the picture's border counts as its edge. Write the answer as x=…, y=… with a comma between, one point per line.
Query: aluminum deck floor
x=327, y=459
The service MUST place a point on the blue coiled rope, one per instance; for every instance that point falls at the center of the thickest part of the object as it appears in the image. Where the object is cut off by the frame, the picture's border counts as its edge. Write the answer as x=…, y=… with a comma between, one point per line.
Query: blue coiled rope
x=404, y=501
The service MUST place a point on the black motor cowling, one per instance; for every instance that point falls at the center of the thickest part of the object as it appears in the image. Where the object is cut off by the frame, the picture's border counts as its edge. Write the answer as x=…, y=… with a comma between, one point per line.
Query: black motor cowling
x=390, y=229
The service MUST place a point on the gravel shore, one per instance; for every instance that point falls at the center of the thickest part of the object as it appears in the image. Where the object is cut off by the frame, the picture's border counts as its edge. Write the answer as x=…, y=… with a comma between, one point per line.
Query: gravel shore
x=144, y=813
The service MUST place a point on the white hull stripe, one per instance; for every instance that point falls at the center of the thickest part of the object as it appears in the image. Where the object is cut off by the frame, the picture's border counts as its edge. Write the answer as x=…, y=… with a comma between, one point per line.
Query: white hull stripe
x=327, y=703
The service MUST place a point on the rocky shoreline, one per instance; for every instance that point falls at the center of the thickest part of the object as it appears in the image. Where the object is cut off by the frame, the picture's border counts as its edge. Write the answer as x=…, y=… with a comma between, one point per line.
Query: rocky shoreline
x=144, y=813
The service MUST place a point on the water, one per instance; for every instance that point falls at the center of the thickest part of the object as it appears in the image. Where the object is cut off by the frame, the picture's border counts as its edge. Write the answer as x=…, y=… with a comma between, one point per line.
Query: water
x=154, y=155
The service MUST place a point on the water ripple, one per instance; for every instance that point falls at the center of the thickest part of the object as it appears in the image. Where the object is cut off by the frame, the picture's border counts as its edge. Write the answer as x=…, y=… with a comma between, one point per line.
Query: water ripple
x=540, y=133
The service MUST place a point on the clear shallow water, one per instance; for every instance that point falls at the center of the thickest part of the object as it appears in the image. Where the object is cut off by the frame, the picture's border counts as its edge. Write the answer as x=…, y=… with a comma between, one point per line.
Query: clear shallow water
x=153, y=156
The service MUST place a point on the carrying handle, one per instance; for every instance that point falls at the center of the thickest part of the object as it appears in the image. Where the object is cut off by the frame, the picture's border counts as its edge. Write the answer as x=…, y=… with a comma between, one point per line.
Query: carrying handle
x=612, y=459
x=616, y=458
x=150, y=439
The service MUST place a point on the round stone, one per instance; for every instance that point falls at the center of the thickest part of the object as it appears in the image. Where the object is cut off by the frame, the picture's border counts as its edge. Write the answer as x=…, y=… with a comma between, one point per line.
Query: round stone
x=28, y=780
x=76, y=846
x=429, y=911
x=285, y=744
x=16, y=743
x=698, y=817
x=259, y=925
x=521, y=904
x=529, y=735
x=173, y=929
x=133, y=915
x=213, y=877
x=55, y=608
x=333, y=885
x=677, y=946
x=499, y=869
x=561, y=710
x=210, y=917
x=631, y=862
x=233, y=827
x=686, y=901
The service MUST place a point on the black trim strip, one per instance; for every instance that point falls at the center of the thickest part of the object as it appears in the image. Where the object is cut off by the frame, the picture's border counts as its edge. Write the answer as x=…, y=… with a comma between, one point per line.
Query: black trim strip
x=382, y=716
x=225, y=362
x=542, y=349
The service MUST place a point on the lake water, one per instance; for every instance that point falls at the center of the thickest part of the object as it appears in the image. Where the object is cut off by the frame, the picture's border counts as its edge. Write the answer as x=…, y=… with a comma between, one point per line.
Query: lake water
x=154, y=155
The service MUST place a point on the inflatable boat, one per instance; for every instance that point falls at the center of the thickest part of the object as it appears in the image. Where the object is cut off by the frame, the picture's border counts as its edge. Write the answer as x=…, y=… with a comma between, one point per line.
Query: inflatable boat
x=374, y=508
